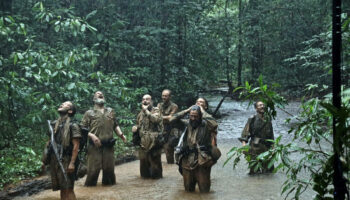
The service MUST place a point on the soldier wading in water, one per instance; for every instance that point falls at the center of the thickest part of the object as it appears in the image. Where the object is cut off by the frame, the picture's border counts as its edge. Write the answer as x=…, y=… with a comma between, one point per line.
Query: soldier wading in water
x=197, y=152
x=66, y=137
x=149, y=128
x=256, y=131
x=101, y=122
x=171, y=130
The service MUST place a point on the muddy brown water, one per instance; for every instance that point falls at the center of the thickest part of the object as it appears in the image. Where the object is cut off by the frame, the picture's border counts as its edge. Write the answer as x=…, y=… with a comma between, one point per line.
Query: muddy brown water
x=226, y=183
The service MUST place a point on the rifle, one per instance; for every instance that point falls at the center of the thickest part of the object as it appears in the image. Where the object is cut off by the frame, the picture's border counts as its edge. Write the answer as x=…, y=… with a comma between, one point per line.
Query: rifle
x=54, y=148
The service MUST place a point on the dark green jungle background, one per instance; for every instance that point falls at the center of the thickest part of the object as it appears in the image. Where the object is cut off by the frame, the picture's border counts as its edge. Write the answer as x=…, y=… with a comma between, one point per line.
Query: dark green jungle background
x=52, y=51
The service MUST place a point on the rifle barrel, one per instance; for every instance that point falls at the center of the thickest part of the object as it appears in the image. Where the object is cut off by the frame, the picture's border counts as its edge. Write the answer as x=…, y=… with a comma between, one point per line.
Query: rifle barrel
x=54, y=147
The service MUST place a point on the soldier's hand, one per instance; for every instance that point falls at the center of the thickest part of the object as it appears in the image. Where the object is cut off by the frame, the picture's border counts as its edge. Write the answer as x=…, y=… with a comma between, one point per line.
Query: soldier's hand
x=96, y=141
x=123, y=138
x=166, y=118
x=202, y=109
x=71, y=168
x=244, y=143
x=134, y=129
x=144, y=107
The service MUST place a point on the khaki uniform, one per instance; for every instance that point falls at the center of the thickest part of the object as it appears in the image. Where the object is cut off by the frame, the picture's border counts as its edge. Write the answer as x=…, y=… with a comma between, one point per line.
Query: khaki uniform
x=103, y=126
x=196, y=163
x=171, y=130
x=256, y=131
x=149, y=128
x=57, y=177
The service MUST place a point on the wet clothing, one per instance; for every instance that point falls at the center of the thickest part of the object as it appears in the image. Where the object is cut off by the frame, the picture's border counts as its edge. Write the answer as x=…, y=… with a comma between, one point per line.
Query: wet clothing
x=196, y=160
x=171, y=130
x=200, y=175
x=150, y=127
x=150, y=163
x=256, y=131
x=64, y=130
x=103, y=126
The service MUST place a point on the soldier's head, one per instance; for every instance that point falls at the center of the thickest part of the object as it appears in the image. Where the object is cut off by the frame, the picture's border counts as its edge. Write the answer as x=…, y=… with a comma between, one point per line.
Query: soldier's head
x=67, y=108
x=166, y=95
x=147, y=100
x=195, y=116
x=201, y=101
x=259, y=107
x=99, y=98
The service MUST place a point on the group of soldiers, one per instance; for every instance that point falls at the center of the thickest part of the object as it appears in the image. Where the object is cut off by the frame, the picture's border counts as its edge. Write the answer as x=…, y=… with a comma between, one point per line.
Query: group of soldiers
x=187, y=137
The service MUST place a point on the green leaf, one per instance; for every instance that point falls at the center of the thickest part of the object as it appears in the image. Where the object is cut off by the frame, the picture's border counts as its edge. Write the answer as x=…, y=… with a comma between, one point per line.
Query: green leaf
x=91, y=14
x=71, y=86
x=83, y=27
x=20, y=56
x=15, y=59
x=57, y=28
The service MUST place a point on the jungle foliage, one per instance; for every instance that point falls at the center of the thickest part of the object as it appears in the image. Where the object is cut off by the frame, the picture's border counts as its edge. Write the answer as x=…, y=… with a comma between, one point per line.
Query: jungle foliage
x=310, y=150
x=53, y=51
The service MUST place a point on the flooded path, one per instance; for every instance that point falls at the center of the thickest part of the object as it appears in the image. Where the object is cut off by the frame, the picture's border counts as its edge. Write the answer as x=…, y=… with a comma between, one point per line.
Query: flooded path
x=226, y=183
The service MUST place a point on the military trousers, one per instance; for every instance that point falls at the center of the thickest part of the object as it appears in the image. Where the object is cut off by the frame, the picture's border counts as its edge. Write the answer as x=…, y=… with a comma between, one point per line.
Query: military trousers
x=100, y=158
x=254, y=151
x=57, y=177
x=150, y=163
x=200, y=175
x=169, y=153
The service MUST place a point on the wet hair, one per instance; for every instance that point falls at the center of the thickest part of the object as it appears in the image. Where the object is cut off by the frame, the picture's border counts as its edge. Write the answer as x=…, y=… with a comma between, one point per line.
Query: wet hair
x=256, y=103
x=206, y=102
x=198, y=109
x=73, y=108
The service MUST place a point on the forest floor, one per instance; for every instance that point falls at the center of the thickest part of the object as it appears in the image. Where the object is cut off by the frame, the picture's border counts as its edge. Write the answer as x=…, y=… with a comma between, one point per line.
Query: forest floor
x=226, y=183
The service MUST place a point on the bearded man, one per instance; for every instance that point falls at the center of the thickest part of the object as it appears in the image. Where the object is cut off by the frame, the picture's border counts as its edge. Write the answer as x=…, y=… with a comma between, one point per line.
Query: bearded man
x=67, y=135
x=149, y=127
x=101, y=122
x=256, y=131
x=198, y=152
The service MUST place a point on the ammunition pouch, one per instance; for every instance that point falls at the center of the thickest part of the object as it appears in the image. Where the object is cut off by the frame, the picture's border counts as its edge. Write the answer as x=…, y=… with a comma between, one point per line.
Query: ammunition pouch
x=185, y=151
x=136, y=139
x=161, y=140
x=105, y=143
x=213, y=151
x=256, y=141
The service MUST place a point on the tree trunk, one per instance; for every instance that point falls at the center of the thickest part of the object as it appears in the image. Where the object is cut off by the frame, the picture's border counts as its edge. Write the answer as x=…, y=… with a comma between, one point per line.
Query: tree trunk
x=239, y=66
x=163, y=44
x=227, y=48
x=6, y=6
x=339, y=181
